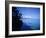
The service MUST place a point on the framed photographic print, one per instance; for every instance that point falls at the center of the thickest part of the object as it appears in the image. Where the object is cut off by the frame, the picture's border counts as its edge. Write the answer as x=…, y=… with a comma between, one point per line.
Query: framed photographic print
x=24, y=18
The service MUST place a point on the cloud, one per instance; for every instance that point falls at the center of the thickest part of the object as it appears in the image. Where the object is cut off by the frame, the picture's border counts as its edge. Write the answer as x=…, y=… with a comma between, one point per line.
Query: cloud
x=26, y=16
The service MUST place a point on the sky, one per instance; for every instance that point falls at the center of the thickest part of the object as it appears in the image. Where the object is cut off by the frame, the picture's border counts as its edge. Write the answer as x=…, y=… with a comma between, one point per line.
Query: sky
x=28, y=12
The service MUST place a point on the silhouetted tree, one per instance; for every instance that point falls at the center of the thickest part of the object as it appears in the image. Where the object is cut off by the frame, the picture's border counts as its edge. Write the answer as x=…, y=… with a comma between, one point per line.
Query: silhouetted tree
x=16, y=22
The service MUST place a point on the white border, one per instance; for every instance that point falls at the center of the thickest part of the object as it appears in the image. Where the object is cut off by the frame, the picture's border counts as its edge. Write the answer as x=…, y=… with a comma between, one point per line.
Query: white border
x=25, y=32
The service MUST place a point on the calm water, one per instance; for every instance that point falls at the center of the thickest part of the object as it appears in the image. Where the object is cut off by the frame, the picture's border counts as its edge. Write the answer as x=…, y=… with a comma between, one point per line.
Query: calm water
x=30, y=24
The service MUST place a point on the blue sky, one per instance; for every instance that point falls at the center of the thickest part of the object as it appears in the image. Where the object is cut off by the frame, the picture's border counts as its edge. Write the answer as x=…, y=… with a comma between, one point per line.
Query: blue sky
x=28, y=12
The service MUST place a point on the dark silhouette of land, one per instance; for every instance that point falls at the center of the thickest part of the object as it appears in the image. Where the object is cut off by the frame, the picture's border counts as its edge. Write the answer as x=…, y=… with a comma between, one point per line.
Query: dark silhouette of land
x=16, y=22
